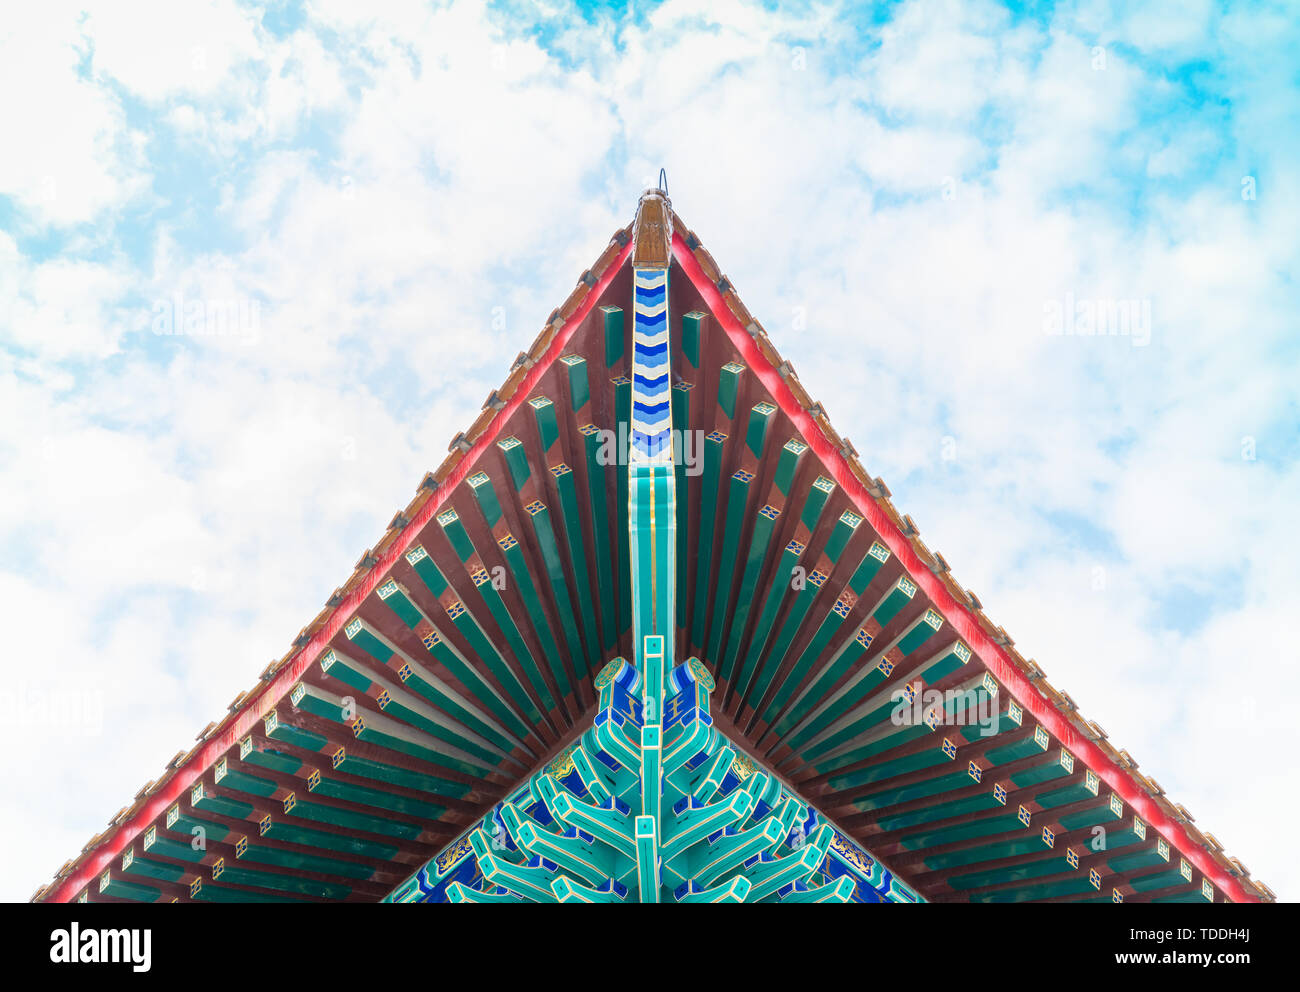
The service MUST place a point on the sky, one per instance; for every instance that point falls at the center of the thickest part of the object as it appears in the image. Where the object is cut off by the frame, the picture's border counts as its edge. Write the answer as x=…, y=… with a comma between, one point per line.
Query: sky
x=259, y=263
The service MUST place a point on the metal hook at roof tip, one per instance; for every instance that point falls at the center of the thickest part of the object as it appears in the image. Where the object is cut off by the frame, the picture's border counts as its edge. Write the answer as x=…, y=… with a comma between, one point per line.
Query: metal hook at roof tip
x=663, y=180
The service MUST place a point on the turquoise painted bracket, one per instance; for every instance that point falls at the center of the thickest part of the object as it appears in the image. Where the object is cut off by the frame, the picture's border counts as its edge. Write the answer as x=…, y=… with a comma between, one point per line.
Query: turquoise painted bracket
x=591, y=827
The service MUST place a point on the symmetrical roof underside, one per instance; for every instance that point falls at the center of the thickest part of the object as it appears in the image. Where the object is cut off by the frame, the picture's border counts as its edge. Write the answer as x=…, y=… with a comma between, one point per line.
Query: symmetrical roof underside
x=460, y=656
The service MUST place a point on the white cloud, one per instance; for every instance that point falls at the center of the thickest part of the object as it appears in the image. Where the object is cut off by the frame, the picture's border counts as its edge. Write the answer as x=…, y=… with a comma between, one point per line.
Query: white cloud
x=157, y=49
x=61, y=308
x=67, y=153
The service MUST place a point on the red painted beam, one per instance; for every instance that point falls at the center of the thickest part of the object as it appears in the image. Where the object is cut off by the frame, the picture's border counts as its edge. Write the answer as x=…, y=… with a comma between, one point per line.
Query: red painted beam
x=251, y=714
x=998, y=663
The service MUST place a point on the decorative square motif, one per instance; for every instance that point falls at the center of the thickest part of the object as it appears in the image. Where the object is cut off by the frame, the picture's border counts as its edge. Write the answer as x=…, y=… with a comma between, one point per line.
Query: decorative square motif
x=386, y=589
x=560, y=470
x=416, y=554
x=535, y=507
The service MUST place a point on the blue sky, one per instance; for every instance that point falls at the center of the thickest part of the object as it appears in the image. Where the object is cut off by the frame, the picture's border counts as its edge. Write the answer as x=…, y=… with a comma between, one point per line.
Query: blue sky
x=387, y=200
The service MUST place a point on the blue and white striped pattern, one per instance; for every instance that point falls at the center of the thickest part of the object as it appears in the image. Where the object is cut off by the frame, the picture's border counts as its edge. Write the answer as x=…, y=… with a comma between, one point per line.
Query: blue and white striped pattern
x=651, y=370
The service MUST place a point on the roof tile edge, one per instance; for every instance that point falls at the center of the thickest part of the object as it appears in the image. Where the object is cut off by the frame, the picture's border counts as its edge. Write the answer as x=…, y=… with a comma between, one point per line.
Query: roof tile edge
x=63, y=886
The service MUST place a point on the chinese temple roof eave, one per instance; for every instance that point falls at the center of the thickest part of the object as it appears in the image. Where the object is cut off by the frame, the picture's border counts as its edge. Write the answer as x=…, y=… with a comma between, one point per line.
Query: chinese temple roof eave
x=656, y=239
x=280, y=676
x=930, y=571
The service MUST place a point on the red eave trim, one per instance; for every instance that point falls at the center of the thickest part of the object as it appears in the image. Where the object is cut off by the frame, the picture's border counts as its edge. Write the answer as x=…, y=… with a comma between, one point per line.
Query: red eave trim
x=998, y=663
x=256, y=709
